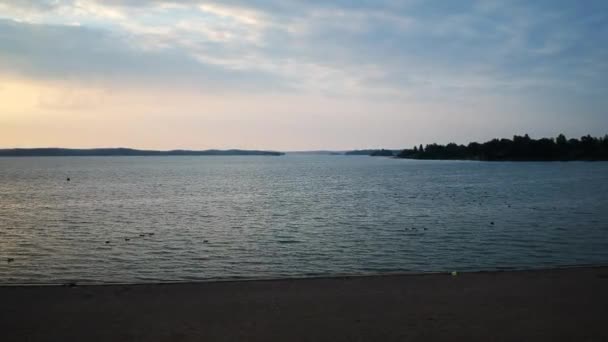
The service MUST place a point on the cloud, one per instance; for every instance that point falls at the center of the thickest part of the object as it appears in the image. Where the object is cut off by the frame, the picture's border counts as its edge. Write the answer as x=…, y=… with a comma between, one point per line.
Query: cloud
x=417, y=50
x=81, y=53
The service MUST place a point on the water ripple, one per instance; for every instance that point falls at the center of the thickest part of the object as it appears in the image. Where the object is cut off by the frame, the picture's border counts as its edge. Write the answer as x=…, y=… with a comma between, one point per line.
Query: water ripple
x=169, y=219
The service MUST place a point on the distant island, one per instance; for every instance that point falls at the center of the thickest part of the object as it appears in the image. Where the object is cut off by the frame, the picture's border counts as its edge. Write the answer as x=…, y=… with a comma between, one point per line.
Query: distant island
x=108, y=152
x=521, y=148
x=383, y=153
x=359, y=153
x=373, y=153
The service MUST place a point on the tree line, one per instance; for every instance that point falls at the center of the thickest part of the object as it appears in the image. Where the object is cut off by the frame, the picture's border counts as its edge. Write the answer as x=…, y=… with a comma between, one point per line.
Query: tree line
x=520, y=148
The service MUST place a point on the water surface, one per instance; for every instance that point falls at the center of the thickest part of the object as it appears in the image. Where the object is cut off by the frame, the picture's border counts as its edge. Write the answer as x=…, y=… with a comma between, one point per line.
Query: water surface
x=266, y=217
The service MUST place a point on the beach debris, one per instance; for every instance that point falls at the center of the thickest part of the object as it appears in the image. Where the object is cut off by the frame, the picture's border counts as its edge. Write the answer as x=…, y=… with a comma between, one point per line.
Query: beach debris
x=10, y=259
x=454, y=273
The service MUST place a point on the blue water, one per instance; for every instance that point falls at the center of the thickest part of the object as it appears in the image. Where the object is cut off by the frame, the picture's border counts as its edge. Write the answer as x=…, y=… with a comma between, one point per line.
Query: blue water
x=291, y=216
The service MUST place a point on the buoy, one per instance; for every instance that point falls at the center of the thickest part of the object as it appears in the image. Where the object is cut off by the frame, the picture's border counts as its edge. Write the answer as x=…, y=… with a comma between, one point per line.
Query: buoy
x=454, y=273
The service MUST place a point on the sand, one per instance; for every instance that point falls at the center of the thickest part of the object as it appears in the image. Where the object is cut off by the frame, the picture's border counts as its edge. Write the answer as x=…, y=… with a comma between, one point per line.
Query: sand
x=548, y=305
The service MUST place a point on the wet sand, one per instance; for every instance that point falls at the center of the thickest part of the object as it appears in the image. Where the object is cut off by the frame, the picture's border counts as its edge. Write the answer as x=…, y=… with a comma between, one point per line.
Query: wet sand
x=549, y=305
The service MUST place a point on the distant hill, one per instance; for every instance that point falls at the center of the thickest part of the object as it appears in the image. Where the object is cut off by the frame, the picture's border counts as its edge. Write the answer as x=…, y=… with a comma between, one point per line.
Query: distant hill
x=519, y=149
x=107, y=152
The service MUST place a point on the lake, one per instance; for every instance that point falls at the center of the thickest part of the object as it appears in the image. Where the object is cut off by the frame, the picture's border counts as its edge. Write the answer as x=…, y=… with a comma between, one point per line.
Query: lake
x=150, y=219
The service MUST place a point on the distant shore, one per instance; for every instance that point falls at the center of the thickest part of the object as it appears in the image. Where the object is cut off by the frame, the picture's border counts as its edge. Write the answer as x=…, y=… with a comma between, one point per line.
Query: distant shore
x=119, y=152
x=521, y=148
x=544, y=305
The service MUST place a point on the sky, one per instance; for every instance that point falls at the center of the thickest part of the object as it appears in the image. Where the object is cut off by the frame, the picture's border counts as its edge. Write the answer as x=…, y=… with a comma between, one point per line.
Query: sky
x=299, y=75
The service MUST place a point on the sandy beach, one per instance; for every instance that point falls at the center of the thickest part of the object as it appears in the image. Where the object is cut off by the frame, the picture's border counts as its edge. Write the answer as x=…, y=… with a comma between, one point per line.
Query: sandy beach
x=547, y=305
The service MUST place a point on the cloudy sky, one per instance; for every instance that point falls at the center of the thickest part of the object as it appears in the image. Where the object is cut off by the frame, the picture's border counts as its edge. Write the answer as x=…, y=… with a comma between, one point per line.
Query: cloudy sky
x=295, y=74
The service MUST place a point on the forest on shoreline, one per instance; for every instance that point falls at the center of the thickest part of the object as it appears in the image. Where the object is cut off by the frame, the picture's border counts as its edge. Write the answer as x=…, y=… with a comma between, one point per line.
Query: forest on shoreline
x=520, y=148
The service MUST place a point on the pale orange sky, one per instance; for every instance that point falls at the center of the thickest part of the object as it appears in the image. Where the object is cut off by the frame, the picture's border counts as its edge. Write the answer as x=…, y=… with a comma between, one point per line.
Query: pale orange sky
x=67, y=114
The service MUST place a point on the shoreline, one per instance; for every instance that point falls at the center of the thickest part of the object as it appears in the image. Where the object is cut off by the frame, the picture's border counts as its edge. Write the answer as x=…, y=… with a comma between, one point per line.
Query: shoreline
x=565, y=304
x=302, y=277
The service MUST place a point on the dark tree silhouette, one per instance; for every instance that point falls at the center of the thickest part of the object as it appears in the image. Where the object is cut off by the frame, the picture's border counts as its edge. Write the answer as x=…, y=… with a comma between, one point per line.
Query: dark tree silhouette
x=382, y=153
x=521, y=148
